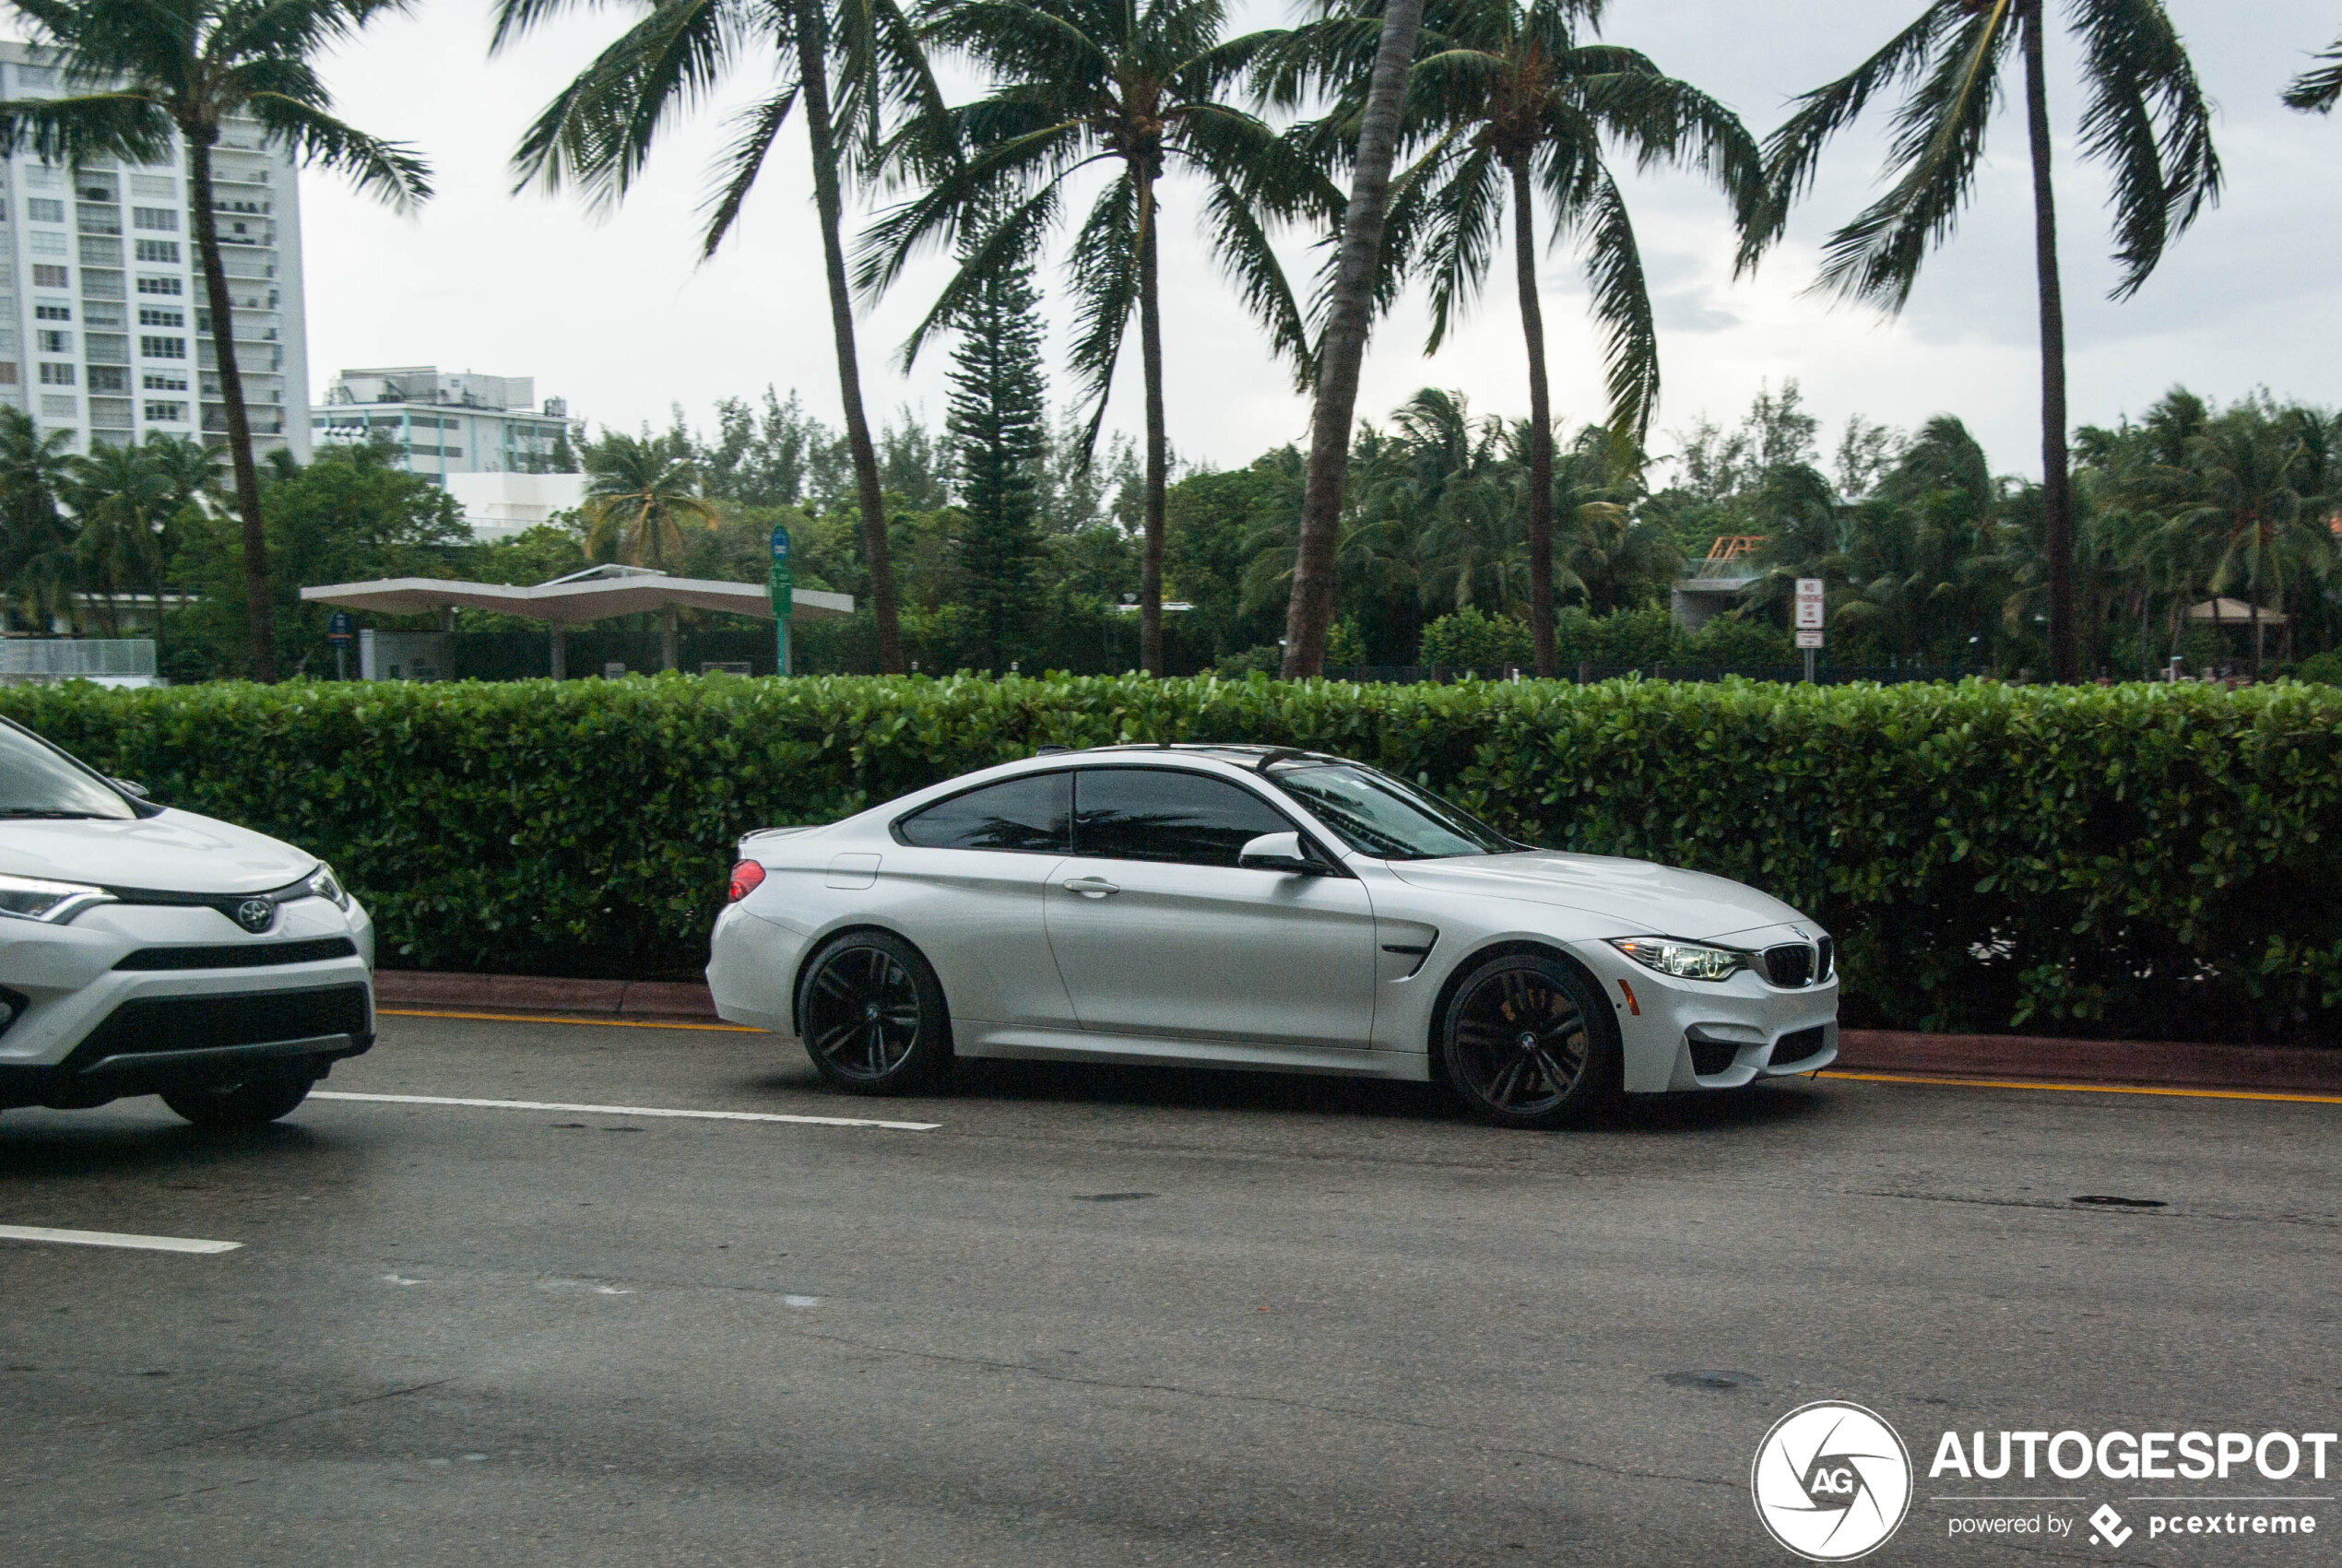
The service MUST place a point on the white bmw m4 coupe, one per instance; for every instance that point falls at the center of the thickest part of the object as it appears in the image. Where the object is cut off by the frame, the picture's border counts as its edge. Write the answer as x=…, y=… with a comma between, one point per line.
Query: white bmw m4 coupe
x=1242, y=906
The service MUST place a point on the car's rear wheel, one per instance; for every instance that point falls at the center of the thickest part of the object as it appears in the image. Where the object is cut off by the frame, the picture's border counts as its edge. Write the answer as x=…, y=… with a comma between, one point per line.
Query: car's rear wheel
x=1524, y=1041
x=252, y=1103
x=872, y=1016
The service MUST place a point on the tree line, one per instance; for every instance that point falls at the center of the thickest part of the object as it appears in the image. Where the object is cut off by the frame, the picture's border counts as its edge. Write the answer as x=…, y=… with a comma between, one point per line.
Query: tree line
x=1462, y=127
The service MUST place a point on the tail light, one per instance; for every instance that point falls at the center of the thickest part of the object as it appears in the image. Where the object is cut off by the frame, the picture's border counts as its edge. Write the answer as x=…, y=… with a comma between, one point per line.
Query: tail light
x=745, y=877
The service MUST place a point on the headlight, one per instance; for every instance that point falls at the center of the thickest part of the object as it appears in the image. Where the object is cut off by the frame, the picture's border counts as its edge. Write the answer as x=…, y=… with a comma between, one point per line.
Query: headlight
x=322, y=884
x=30, y=898
x=1684, y=961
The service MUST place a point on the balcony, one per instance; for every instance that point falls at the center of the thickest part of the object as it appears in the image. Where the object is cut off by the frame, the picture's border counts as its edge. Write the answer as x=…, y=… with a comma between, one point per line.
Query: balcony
x=93, y=222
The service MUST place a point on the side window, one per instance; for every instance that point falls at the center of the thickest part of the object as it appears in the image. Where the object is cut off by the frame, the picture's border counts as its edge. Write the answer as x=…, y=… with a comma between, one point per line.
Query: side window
x=1161, y=814
x=1032, y=814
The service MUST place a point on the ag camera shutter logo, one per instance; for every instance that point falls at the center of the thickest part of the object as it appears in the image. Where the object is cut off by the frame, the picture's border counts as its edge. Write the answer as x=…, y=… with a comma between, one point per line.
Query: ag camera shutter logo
x=1832, y=1482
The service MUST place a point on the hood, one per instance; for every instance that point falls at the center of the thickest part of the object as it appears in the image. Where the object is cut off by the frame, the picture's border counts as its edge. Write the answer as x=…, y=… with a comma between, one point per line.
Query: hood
x=175, y=852
x=1643, y=898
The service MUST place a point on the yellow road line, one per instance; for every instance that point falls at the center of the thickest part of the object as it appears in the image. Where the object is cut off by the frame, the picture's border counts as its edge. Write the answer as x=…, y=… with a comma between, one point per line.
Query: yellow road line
x=2089, y=1088
x=592, y=1022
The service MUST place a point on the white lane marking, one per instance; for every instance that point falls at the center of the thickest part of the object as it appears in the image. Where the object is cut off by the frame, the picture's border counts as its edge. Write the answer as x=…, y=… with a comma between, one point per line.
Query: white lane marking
x=629, y=1110
x=111, y=1239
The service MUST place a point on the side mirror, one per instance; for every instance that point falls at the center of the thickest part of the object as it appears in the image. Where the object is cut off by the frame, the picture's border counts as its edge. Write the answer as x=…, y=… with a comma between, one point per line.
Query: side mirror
x=135, y=790
x=1277, y=852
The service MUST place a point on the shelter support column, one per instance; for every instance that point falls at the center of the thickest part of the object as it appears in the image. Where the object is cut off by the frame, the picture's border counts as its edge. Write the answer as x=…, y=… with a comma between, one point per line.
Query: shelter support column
x=560, y=650
x=668, y=654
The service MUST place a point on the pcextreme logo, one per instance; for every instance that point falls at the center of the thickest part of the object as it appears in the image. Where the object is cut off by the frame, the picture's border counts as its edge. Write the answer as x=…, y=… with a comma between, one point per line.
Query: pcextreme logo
x=1832, y=1482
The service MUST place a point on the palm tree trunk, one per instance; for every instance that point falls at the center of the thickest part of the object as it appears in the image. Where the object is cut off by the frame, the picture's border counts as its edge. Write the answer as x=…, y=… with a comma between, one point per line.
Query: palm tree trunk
x=1540, y=429
x=1158, y=443
x=259, y=608
x=1342, y=351
x=812, y=35
x=2057, y=495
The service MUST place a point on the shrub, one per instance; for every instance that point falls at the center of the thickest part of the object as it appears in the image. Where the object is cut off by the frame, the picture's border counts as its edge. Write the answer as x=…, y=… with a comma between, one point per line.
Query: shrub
x=2143, y=859
x=1468, y=639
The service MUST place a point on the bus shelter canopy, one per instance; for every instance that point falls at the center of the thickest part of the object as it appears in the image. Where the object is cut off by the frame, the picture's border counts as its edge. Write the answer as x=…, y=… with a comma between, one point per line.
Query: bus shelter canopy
x=595, y=594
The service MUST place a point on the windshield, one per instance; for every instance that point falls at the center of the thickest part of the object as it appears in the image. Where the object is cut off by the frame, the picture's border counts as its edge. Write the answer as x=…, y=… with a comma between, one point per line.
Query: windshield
x=37, y=780
x=1377, y=815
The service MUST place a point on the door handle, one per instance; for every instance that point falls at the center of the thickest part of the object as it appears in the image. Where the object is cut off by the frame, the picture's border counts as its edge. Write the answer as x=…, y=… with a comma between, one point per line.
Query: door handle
x=1091, y=887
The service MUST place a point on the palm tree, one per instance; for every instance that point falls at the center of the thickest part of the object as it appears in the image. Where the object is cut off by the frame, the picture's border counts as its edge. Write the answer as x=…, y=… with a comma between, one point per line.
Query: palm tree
x=1341, y=347
x=2316, y=90
x=2268, y=530
x=848, y=63
x=1505, y=101
x=145, y=71
x=1454, y=478
x=2144, y=117
x=1143, y=88
x=639, y=493
x=122, y=498
x=36, y=538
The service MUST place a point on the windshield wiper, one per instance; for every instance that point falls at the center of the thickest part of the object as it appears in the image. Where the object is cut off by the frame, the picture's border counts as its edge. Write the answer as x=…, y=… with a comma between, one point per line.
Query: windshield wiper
x=52, y=816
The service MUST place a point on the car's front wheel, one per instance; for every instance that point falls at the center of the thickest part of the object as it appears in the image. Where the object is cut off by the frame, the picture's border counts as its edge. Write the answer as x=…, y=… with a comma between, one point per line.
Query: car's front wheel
x=254, y=1104
x=871, y=1014
x=1524, y=1041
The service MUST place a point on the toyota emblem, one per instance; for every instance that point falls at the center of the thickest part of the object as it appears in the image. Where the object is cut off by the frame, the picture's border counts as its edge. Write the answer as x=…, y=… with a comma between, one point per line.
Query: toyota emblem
x=255, y=914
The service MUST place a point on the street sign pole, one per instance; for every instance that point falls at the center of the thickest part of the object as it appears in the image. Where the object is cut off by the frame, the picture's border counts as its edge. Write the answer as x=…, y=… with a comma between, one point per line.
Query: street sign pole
x=342, y=631
x=1808, y=622
x=781, y=585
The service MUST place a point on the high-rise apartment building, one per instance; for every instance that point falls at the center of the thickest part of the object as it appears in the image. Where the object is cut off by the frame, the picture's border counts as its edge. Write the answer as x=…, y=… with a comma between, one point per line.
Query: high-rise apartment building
x=105, y=327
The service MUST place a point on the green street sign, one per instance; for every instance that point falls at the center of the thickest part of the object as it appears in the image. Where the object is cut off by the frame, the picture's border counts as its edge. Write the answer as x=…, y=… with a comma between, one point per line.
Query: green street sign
x=781, y=582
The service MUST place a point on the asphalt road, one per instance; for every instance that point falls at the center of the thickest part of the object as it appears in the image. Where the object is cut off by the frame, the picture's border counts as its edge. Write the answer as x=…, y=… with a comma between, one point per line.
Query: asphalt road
x=1110, y=1317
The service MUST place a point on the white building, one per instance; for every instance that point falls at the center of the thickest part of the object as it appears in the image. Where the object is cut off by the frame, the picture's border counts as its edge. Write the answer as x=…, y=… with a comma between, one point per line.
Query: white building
x=437, y=422
x=103, y=327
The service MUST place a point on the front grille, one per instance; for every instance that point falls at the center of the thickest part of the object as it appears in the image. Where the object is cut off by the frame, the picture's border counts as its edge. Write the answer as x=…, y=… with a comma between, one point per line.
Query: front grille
x=254, y=955
x=1711, y=1057
x=196, y=1023
x=1798, y=1045
x=1790, y=965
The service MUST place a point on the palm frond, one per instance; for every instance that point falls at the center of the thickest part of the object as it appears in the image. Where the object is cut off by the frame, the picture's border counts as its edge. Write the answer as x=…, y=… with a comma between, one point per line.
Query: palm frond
x=1103, y=271
x=2317, y=91
x=70, y=130
x=2146, y=116
x=599, y=129
x=1461, y=225
x=755, y=129
x=1938, y=141
x=1621, y=305
x=1793, y=154
x=391, y=171
x=1242, y=246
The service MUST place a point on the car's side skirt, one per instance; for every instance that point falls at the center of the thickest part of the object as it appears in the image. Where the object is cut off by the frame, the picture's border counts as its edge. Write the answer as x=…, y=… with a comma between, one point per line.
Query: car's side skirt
x=972, y=1037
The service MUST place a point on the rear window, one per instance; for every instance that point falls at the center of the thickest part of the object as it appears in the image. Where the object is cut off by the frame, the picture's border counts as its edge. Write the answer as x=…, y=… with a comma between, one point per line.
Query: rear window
x=1033, y=814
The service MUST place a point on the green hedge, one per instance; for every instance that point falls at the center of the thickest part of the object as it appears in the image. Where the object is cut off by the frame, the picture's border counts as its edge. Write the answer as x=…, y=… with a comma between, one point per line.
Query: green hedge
x=2145, y=860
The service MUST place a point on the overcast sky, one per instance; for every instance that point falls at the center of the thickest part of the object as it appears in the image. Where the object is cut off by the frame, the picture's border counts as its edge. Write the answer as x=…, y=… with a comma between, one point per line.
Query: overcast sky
x=613, y=312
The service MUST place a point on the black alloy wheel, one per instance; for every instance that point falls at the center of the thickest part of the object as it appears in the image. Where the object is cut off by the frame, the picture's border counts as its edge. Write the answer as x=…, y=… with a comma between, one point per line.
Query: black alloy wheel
x=1525, y=1043
x=871, y=1015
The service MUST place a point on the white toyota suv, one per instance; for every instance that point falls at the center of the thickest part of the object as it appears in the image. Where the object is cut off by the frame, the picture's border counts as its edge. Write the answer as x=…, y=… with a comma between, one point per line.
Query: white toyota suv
x=145, y=950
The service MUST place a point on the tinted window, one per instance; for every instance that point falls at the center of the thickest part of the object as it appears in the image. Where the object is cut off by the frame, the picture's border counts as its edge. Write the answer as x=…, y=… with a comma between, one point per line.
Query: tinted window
x=1028, y=814
x=1157, y=814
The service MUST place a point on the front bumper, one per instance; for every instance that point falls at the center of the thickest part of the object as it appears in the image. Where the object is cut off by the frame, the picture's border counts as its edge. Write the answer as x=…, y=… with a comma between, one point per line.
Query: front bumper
x=1691, y=1034
x=133, y=999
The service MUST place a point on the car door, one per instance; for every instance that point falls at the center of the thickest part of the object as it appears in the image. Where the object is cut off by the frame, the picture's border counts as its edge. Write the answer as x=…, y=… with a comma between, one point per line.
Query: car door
x=966, y=887
x=1158, y=931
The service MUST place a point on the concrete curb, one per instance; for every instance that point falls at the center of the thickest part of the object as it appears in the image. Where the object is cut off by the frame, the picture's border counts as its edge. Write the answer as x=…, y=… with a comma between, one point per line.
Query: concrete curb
x=2274, y=1068
x=2301, y=1069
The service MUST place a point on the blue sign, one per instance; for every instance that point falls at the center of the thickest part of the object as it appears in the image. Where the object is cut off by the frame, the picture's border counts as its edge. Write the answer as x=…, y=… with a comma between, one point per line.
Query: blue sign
x=340, y=630
x=780, y=545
